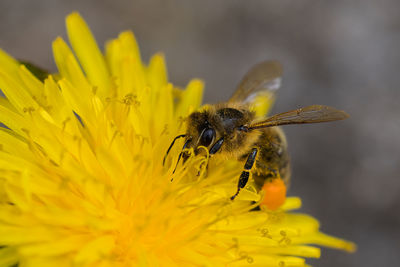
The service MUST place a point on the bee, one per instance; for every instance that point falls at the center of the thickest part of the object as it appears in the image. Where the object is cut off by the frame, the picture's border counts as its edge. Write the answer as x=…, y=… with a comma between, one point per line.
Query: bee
x=233, y=130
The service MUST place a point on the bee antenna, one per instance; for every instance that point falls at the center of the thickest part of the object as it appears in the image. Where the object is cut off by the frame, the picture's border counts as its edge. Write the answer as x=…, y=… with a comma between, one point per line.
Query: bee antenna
x=172, y=144
x=180, y=154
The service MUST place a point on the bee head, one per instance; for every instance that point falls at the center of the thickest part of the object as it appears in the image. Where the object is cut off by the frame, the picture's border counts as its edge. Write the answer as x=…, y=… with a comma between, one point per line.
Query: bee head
x=213, y=127
x=218, y=129
x=200, y=131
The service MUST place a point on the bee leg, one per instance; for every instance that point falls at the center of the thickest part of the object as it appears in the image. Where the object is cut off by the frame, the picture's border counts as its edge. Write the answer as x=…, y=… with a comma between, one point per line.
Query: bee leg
x=244, y=177
x=172, y=144
x=180, y=155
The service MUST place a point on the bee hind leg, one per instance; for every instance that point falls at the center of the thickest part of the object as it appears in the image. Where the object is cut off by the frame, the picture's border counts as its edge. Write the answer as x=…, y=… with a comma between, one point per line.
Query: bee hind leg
x=244, y=176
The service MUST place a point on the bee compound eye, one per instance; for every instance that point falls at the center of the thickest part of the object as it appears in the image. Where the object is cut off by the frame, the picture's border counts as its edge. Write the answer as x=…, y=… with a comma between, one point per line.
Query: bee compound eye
x=207, y=137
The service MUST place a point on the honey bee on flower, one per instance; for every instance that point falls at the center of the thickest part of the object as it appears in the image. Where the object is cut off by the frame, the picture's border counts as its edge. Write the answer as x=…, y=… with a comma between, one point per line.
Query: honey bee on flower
x=232, y=130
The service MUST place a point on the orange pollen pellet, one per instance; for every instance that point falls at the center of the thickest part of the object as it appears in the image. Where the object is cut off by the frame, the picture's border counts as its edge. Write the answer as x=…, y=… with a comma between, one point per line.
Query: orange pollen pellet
x=274, y=194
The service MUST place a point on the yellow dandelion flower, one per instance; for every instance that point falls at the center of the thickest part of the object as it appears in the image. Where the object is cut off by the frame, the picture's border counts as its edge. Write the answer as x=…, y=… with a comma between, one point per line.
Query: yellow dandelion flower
x=82, y=181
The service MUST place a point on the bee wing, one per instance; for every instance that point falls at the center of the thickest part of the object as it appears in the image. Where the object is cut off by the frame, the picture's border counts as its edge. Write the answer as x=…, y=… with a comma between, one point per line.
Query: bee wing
x=309, y=114
x=259, y=84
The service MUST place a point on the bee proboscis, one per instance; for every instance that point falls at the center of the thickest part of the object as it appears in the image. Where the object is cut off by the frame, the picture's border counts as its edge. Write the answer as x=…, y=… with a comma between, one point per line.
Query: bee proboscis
x=233, y=129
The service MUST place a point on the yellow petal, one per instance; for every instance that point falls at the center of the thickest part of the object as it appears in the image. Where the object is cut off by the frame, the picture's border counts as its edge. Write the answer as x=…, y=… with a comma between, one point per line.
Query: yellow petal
x=8, y=256
x=16, y=94
x=129, y=46
x=32, y=85
x=94, y=250
x=157, y=71
x=69, y=68
x=60, y=246
x=8, y=63
x=14, y=121
x=191, y=98
x=113, y=56
x=88, y=53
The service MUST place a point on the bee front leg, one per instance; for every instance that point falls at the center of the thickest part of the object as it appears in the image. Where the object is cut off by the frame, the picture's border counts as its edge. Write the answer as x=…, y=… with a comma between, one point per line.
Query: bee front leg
x=244, y=177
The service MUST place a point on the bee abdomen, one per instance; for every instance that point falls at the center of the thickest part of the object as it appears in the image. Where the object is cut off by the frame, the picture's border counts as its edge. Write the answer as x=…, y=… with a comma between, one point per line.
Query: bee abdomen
x=273, y=158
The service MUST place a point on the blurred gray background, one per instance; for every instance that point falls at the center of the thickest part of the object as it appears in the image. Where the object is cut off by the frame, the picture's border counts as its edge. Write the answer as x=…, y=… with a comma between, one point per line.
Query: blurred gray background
x=342, y=53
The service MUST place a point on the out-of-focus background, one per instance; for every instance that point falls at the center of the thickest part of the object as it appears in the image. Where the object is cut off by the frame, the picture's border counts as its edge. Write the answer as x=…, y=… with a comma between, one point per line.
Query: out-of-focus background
x=343, y=53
